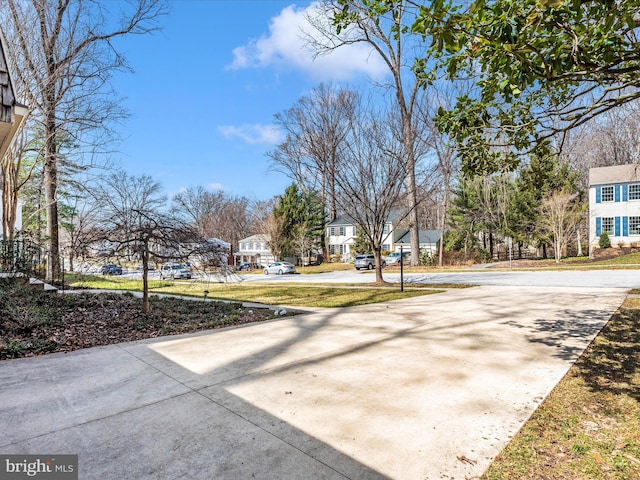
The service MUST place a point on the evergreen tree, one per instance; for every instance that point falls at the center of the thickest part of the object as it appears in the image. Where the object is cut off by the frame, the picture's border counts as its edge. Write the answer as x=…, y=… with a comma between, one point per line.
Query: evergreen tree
x=301, y=220
x=361, y=244
x=539, y=180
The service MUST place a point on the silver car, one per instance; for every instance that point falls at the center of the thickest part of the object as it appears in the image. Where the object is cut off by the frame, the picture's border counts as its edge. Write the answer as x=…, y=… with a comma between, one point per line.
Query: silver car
x=367, y=261
x=394, y=258
x=280, y=268
x=174, y=271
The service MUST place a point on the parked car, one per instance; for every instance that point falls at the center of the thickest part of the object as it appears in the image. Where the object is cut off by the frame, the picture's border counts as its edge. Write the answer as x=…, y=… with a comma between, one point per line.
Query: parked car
x=280, y=268
x=174, y=271
x=111, y=269
x=394, y=258
x=243, y=266
x=367, y=261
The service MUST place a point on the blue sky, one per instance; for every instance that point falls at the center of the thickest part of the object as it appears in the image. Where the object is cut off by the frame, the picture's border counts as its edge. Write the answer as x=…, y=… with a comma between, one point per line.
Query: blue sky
x=205, y=90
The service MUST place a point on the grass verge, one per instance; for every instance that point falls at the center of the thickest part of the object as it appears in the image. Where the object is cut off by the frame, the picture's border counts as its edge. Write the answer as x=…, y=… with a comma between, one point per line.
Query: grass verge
x=293, y=295
x=589, y=426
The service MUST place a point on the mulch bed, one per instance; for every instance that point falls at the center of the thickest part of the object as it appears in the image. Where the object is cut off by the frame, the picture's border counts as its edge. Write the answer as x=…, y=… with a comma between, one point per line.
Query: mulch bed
x=34, y=322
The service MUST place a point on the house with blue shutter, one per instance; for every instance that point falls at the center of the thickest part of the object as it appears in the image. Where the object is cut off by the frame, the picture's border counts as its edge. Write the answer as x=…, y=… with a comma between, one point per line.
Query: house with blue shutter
x=614, y=205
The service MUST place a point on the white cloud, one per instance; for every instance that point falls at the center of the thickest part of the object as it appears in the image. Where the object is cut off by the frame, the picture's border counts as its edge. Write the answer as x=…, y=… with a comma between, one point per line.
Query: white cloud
x=253, y=134
x=214, y=186
x=285, y=46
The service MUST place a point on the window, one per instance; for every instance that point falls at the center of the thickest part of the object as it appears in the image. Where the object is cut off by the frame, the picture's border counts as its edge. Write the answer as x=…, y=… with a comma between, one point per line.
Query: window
x=385, y=229
x=634, y=225
x=332, y=231
x=332, y=248
x=341, y=232
x=251, y=246
x=386, y=246
x=341, y=248
x=634, y=192
x=355, y=232
x=607, y=195
x=608, y=225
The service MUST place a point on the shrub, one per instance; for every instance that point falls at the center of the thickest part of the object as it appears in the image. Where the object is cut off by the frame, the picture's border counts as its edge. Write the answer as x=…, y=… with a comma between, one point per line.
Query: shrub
x=604, y=241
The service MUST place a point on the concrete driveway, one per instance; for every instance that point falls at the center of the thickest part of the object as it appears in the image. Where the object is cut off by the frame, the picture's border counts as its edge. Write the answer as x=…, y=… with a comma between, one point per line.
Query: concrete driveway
x=425, y=388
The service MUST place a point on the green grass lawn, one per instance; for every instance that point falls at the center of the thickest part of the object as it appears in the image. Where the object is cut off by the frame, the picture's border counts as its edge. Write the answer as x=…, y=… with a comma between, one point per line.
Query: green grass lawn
x=298, y=295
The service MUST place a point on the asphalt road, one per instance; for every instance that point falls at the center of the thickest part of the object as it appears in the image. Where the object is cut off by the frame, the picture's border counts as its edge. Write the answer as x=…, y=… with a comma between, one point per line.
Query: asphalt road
x=572, y=278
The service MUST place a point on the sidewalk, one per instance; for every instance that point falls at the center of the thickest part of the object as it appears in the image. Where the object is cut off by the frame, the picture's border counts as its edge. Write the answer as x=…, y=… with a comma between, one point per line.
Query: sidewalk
x=424, y=388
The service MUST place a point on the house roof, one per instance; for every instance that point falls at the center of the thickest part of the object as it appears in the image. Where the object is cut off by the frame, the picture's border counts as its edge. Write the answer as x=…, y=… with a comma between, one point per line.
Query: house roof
x=258, y=237
x=218, y=242
x=424, y=236
x=342, y=220
x=614, y=174
x=393, y=218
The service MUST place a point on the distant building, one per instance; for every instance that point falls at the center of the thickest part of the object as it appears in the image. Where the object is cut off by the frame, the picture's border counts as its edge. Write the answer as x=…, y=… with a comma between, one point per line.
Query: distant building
x=341, y=234
x=255, y=250
x=614, y=205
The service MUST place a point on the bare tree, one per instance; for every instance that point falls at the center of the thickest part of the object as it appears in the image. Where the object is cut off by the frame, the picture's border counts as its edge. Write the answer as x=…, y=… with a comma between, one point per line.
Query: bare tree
x=215, y=213
x=120, y=194
x=78, y=214
x=315, y=127
x=383, y=26
x=273, y=228
x=370, y=177
x=561, y=216
x=65, y=55
x=133, y=222
x=199, y=205
x=447, y=164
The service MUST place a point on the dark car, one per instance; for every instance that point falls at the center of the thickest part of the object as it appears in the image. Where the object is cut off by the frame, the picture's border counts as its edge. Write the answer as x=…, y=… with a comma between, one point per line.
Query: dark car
x=111, y=269
x=243, y=266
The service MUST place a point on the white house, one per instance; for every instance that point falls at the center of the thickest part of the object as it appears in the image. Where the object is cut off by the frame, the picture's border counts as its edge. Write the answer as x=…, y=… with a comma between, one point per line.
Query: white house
x=341, y=234
x=254, y=249
x=614, y=204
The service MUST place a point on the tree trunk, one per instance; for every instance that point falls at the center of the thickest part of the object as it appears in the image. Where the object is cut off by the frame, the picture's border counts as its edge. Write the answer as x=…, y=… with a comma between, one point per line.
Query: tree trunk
x=579, y=242
x=145, y=278
x=50, y=174
x=10, y=174
x=491, y=244
x=377, y=254
x=9, y=209
x=408, y=144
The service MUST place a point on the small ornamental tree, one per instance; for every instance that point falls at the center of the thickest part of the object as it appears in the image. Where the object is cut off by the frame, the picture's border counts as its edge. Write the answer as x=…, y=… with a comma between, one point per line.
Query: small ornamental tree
x=361, y=243
x=604, y=241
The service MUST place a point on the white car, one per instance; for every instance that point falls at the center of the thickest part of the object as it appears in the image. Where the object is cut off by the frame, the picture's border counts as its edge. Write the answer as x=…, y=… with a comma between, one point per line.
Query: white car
x=280, y=268
x=174, y=271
